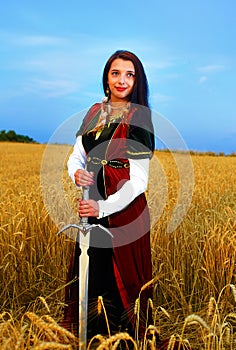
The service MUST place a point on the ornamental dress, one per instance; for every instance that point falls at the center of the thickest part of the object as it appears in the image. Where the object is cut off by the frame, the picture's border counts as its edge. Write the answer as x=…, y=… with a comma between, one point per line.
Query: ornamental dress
x=118, y=266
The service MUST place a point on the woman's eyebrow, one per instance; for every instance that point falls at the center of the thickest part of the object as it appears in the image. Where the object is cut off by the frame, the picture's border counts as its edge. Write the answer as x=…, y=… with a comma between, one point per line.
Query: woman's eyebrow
x=117, y=70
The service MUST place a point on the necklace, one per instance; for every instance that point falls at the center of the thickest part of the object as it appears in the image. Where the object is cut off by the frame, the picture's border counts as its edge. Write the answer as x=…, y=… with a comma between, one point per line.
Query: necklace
x=106, y=117
x=117, y=105
x=113, y=117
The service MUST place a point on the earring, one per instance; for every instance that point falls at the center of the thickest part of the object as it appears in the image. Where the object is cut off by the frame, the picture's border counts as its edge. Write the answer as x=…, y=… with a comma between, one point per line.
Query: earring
x=106, y=98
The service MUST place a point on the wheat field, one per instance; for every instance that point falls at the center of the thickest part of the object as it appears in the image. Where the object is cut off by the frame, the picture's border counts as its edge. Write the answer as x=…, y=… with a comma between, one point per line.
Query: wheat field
x=193, y=250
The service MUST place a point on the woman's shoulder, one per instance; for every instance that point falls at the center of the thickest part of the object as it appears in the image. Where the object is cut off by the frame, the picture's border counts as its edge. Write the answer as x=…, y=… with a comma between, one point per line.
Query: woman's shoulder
x=141, y=116
x=94, y=108
x=90, y=114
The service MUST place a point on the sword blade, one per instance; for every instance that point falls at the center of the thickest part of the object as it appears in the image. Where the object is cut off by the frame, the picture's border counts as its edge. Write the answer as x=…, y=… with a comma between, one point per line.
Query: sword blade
x=83, y=288
x=84, y=229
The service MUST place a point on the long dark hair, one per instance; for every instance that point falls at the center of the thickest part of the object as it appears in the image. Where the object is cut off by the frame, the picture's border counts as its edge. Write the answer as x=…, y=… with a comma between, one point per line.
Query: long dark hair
x=140, y=90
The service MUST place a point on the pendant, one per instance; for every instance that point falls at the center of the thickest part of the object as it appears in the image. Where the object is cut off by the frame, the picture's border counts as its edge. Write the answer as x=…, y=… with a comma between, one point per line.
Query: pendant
x=98, y=133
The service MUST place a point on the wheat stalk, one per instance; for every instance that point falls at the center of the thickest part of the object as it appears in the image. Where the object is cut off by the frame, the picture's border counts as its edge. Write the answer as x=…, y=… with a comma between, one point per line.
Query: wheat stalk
x=52, y=346
x=192, y=264
x=100, y=305
x=107, y=343
x=98, y=337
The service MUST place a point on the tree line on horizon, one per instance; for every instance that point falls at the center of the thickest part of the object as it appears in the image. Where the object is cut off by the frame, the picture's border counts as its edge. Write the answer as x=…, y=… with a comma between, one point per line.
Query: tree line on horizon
x=12, y=136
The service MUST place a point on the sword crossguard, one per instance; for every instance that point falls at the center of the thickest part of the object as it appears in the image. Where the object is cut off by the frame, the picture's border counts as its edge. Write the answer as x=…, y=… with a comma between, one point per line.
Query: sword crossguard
x=85, y=228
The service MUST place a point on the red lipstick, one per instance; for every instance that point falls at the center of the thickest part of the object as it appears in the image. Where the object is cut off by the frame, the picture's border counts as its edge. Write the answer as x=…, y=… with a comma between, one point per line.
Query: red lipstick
x=120, y=89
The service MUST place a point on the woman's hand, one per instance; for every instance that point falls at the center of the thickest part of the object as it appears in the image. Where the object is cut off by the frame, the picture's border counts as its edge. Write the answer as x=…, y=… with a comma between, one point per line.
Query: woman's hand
x=88, y=208
x=83, y=177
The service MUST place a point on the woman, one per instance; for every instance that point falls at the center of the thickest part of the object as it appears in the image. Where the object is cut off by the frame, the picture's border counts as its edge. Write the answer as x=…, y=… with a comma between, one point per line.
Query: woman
x=111, y=155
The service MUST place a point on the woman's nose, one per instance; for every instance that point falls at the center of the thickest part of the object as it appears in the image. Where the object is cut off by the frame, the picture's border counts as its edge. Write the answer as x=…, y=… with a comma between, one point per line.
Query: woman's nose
x=122, y=79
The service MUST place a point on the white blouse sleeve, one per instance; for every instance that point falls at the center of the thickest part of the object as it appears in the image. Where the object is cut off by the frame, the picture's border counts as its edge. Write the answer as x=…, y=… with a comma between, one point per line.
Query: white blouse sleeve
x=77, y=159
x=137, y=184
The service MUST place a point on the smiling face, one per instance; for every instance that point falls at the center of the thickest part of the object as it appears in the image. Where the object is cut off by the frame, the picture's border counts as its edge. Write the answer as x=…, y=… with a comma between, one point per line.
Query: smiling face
x=121, y=79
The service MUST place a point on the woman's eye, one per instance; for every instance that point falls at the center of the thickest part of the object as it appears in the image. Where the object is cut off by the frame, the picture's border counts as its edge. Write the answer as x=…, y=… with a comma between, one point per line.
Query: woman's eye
x=131, y=75
x=114, y=73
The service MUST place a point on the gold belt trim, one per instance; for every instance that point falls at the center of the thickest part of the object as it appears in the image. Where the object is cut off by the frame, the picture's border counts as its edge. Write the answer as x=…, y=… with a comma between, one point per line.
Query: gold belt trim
x=113, y=163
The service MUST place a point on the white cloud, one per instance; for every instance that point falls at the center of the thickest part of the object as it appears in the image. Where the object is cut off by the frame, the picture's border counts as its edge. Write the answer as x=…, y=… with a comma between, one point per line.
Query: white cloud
x=207, y=70
x=39, y=40
x=157, y=98
x=202, y=79
x=211, y=68
x=16, y=39
x=51, y=88
x=159, y=64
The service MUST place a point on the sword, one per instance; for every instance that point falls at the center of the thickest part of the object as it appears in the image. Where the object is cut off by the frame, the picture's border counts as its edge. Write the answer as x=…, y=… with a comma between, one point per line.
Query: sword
x=84, y=229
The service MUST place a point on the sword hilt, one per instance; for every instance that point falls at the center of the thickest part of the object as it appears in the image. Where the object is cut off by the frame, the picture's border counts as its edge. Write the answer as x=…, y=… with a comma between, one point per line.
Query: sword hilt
x=85, y=196
x=83, y=226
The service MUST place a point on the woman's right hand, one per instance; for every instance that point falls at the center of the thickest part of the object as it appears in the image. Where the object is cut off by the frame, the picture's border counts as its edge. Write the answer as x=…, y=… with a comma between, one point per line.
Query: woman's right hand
x=84, y=177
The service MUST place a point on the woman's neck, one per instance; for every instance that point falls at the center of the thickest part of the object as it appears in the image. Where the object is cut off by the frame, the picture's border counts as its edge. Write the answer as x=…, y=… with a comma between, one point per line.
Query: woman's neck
x=117, y=106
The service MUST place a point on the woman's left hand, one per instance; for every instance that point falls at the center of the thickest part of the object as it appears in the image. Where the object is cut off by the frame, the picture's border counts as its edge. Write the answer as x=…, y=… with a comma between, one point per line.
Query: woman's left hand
x=88, y=208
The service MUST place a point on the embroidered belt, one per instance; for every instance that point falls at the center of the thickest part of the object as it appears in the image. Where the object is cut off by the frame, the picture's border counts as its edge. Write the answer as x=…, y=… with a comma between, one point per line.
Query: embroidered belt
x=113, y=163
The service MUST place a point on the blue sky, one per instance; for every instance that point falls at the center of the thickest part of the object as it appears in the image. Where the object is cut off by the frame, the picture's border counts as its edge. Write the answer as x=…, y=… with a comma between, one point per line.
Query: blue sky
x=52, y=55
